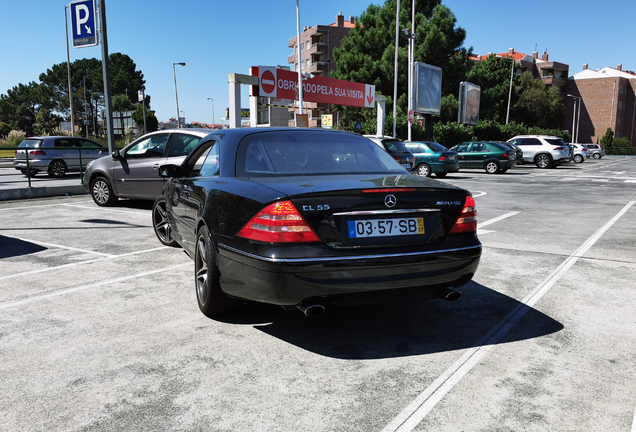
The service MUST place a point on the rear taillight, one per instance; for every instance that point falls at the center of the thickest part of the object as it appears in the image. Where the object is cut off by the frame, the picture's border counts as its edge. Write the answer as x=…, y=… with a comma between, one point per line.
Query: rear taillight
x=505, y=155
x=397, y=158
x=467, y=220
x=279, y=223
x=442, y=158
x=559, y=148
x=37, y=153
x=388, y=190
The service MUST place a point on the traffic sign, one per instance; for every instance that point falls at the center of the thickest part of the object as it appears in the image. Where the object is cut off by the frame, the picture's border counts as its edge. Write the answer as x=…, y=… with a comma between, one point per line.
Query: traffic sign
x=267, y=82
x=411, y=116
x=83, y=23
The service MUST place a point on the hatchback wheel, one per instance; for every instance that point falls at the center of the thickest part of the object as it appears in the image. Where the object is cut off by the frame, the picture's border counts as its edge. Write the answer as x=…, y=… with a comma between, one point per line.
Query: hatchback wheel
x=212, y=301
x=543, y=161
x=57, y=169
x=578, y=158
x=160, y=223
x=597, y=156
x=102, y=192
x=424, y=170
x=491, y=167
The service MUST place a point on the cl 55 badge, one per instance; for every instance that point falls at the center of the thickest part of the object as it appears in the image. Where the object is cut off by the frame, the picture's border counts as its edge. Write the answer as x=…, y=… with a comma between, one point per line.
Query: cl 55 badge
x=318, y=207
x=448, y=203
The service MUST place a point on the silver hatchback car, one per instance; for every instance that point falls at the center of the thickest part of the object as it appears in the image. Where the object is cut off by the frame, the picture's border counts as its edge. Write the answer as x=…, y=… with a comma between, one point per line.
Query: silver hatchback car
x=132, y=172
x=56, y=155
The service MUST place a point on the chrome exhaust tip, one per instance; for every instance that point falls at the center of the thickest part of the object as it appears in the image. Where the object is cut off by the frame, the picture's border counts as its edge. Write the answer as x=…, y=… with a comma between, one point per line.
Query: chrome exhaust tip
x=312, y=310
x=449, y=294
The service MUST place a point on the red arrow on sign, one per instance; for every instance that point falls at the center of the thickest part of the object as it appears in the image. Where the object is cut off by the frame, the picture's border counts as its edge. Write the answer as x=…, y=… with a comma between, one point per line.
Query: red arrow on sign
x=370, y=96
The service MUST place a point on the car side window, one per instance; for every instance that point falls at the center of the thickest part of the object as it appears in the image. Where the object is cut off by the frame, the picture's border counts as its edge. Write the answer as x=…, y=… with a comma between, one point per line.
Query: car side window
x=461, y=148
x=182, y=144
x=153, y=146
x=210, y=163
x=63, y=143
x=478, y=147
x=88, y=144
x=529, y=141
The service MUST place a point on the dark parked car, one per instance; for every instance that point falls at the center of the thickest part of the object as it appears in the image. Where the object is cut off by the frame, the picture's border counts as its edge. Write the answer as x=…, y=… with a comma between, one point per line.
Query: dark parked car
x=431, y=157
x=396, y=148
x=132, y=171
x=493, y=157
x=515, y=148
x=56, y=155
x=305, y=218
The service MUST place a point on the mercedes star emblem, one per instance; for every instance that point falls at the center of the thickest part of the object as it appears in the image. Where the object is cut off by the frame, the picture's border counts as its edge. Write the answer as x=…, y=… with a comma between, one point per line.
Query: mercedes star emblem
x=390, y=200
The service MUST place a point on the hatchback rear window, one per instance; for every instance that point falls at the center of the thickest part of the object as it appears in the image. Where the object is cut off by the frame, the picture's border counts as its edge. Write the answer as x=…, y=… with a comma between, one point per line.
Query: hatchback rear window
x=436, y=147
x=31, y=143
x=395, y=146
x=311, y=153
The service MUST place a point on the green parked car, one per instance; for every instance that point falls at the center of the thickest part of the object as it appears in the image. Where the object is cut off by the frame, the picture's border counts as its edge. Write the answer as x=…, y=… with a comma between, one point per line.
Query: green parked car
x=431, y=157
x=491, y=156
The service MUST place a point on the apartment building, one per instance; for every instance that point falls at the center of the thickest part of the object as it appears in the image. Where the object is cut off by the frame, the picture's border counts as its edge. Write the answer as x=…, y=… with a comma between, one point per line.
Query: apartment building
x=316, y=50
x=608, y=100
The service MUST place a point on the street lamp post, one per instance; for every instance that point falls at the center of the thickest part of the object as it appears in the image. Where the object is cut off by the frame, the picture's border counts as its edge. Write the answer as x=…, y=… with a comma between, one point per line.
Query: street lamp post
x=213, y=119
x=577, y=101
x=512, y=71
x=176, y=94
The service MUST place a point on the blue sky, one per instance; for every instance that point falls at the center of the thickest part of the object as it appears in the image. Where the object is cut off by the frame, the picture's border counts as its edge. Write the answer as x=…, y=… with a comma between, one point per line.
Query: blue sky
x=215, y=38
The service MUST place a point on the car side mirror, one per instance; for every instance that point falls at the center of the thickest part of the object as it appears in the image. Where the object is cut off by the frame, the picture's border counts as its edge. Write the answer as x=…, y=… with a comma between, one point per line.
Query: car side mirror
x=116, y=155
x=170, y=171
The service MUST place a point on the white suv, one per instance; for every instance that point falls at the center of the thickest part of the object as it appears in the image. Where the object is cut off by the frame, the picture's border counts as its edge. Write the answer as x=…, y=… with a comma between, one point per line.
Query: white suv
x=543, y=150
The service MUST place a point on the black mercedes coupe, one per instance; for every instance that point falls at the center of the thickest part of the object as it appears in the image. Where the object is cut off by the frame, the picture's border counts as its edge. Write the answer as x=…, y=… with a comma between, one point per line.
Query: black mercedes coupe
x=303, y=218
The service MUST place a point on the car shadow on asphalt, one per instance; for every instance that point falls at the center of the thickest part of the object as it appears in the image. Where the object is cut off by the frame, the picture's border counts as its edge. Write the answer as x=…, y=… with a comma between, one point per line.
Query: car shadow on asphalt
x=12, y=247
x=399, y=329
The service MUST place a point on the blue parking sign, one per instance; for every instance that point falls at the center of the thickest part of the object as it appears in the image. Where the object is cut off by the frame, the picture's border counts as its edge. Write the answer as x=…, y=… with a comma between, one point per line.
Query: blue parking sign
x=83, y=23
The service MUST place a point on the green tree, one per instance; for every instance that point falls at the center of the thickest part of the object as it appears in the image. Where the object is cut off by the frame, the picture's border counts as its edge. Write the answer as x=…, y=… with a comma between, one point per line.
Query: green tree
x=46, y=122
x=20, y=106
x=152, y=124
x=367, y=54
x=5, y=128
x=608, y=139
x=493, y=77
x=538, y=105
x=121, y=102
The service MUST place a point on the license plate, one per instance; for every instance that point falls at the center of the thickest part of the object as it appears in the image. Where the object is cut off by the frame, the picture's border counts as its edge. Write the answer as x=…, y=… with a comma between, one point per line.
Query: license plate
x=385, y=227
x=406, y=166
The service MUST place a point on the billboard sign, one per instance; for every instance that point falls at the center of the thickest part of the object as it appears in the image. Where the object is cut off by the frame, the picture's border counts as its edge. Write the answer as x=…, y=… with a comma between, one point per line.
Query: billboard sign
x=468, y=105
x=282, y=84
x=428, y=89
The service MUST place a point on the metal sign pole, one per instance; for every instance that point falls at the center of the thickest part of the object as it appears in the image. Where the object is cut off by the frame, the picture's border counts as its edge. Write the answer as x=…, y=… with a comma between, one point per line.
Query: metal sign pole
x=68, y=69
x=108, y=103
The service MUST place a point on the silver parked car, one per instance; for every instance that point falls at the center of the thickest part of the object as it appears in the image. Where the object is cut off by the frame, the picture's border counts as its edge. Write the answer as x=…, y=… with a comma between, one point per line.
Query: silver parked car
x=542, y=150
x=596, y=151
x=580, y=153
x=132, y=171
x=56, y=155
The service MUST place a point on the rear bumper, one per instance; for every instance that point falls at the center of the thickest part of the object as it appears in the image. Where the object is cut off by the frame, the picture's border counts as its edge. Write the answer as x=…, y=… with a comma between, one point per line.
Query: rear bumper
x=444, y=168
x=289, y=282
x=34, y=165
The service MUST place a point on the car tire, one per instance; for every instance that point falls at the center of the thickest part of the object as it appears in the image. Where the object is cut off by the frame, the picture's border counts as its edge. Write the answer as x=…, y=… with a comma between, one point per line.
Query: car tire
x=491, y=167
x=102, y=192
x=578, y=158
x=211, y=299
x=543, y=161
x=441, y=174
x=424, y=170
x=57, y=168
x=596, y=156
x=160, y=223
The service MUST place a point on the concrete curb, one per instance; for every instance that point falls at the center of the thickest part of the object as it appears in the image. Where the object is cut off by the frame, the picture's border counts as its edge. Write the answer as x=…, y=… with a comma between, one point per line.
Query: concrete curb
x=41, y=192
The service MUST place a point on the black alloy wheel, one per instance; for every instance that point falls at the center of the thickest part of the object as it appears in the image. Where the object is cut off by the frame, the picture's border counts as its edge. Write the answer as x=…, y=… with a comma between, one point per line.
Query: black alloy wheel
x=424, y=170
x=160, y=223
x=491, y=167
x=57, y=169
x=211, y=299
x=543, y=161
x=102, y=192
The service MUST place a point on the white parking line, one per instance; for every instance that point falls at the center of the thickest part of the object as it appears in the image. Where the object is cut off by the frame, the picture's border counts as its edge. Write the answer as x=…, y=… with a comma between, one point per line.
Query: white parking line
x=478, y=194
x=634, y=422
x=44, y=296
x=417, y=410
x=81, y=263
x=497, y=219
x=64, y=247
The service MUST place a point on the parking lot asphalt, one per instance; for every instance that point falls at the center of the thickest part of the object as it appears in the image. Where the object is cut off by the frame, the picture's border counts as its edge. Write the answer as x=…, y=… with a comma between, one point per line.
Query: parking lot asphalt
x=14, y=185
x=100, y=329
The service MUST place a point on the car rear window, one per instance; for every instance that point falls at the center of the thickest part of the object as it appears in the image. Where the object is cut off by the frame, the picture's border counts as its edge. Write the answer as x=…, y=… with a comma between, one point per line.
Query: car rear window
x=31, y=143
x=436, y=147
x=555, y=142
x=395, y=146
x=311, y=153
